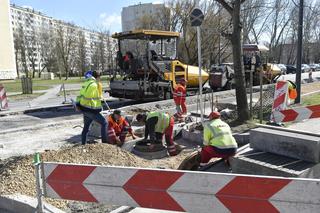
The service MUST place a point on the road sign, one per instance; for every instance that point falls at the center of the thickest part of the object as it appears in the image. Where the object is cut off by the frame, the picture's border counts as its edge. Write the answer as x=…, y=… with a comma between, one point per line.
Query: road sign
x=196, y=17
x=185, y=191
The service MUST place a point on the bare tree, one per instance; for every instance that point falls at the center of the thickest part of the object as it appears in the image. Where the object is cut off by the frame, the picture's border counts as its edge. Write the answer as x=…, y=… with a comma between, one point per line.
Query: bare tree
x=65, y=46
x=47, y=50
x=32, y=47
x=21, y=50
x=234, y=9
x=81, y=54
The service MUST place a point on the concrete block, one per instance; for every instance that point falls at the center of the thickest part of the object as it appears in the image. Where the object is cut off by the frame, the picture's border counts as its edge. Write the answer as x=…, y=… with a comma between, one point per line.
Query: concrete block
x=194, y=136
x=242, y=138
x=289, y=144
x=23, y=204
x=255, y=162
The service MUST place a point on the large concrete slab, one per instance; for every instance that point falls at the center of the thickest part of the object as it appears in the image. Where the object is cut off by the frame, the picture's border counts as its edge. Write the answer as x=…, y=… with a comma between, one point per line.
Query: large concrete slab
x=289, y=144
x=255, y=162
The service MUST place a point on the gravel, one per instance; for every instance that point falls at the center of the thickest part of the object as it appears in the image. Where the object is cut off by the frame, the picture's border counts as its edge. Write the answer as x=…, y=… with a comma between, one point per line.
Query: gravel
x=17, y=173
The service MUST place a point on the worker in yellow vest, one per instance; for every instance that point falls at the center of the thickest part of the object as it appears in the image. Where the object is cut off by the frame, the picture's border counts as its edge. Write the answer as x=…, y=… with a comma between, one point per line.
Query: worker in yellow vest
x=89, y=103
x=157, y=124
x=218, y=140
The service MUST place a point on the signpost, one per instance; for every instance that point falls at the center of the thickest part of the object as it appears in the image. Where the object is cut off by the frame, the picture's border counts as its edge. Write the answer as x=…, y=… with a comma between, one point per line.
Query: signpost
x=196, y=18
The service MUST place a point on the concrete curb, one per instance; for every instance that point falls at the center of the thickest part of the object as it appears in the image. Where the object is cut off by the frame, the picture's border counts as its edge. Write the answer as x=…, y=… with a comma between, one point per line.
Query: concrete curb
x=23, y=204
x=40, y=126
x=36, y=109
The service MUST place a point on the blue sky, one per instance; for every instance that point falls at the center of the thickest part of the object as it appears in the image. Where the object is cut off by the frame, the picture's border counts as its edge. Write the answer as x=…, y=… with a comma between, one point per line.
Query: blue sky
x=92, y=14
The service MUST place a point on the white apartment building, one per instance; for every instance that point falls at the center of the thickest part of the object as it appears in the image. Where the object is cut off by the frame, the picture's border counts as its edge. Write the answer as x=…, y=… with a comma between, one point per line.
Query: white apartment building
x=132, y=15
x=31, y=22
x=7, y=60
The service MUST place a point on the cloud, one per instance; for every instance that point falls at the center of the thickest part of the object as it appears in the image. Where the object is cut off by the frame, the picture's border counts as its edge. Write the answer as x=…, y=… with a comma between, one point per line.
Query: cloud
x=112, y=22
x=158, y=2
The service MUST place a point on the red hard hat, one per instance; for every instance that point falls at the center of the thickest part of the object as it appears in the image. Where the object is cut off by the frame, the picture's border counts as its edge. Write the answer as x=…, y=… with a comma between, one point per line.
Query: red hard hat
x=214, y=115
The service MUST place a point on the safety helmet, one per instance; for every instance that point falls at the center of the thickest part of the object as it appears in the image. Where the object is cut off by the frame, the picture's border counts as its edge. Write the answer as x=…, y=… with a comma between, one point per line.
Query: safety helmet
x=214, y=115
x=88, y=74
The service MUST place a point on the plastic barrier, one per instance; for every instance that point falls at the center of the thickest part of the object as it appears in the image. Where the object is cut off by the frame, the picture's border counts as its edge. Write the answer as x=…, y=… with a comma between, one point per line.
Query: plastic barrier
x=297, y=114
x=184, y=191
x=3, y=98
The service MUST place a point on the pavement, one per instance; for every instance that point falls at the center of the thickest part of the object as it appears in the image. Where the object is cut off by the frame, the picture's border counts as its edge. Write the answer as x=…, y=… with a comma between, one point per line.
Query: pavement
x=310, y=125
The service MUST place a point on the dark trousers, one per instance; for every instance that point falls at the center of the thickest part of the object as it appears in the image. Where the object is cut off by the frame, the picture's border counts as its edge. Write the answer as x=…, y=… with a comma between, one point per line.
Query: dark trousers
x=88, y=117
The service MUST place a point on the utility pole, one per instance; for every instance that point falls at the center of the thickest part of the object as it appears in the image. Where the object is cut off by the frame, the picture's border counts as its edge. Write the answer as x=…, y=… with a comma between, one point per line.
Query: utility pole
x=299, y=53
x=196, y=18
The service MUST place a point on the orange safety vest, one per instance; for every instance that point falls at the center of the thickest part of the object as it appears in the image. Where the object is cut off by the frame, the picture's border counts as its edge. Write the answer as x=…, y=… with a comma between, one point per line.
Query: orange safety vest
x=117, y=126
x=180, y=93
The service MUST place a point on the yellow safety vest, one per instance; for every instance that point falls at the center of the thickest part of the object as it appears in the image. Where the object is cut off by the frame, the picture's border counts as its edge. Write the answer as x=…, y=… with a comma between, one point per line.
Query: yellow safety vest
x=89, y=95
x=163, y=120
x=218, y=134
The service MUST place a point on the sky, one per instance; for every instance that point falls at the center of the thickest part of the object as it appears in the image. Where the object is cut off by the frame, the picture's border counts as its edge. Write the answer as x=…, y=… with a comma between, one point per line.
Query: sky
x=91, y=14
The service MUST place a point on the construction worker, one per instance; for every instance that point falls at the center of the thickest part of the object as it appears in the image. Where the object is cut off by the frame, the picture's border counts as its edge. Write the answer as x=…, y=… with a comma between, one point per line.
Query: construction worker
x=218, y=140
x=179, y=97
x=89, y=103
x=118, y=128
x=157, y=124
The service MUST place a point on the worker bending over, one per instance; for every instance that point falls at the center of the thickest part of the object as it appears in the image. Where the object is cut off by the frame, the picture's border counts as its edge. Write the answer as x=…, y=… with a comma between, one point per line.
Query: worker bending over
x=218, y=140
x=157, y=124
x=89, y=103
x=179, y=97
x=118, y=128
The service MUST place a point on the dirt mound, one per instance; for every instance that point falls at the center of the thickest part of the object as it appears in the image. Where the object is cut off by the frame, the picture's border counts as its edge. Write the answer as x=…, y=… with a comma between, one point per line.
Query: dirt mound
x=17, y=174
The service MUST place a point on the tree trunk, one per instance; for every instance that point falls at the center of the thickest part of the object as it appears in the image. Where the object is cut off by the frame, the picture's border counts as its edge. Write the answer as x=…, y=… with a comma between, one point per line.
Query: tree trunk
x=241, y=95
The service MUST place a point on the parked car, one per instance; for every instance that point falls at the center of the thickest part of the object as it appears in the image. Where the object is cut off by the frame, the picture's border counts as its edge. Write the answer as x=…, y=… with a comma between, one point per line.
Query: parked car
x=315, y=66
x=305, y=68
x=283, y=69
x=291, y=69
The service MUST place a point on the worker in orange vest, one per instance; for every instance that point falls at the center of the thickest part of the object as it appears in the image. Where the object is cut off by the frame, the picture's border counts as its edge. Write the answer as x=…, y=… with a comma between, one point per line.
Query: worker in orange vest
x=118, y=128
x=179, y=97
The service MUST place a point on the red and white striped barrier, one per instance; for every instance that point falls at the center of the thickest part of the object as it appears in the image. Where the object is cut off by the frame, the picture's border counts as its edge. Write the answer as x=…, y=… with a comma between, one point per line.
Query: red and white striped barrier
x=3, y=98
x=184, y=191
x=297, y=114
x=280, y=96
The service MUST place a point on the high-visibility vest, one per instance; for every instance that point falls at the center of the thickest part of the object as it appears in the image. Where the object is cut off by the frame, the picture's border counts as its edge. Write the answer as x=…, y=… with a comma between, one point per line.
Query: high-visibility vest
x=163, y=120
x=218, y=134
x=180, y=92
x=89, y=95
x=117, y=126
x=100, y=89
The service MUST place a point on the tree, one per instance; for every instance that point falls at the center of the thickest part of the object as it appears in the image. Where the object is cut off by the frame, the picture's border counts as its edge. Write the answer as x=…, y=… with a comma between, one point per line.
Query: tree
x=233, y=8
x=32, y=47
x=21, y=50
x=81, y=56
x=47, y=51
x=66, y=47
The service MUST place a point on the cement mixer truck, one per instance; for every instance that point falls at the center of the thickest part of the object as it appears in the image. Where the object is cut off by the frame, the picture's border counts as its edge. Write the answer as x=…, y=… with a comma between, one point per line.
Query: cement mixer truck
x=149, y=67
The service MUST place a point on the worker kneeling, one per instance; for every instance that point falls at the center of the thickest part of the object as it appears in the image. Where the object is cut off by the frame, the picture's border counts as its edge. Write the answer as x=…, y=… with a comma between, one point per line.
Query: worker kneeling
x=179, y=97
x=118, y=128
x=218, y=140
x=157, y=124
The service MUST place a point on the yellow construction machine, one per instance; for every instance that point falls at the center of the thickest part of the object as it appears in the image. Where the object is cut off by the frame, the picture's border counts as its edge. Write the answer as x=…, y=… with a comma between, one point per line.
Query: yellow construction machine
x=149, y=66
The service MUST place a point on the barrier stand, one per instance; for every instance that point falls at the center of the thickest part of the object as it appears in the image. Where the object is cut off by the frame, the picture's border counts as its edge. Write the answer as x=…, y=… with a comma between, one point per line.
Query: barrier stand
x=3, y=98
x=37, y=166
x=62, y=88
